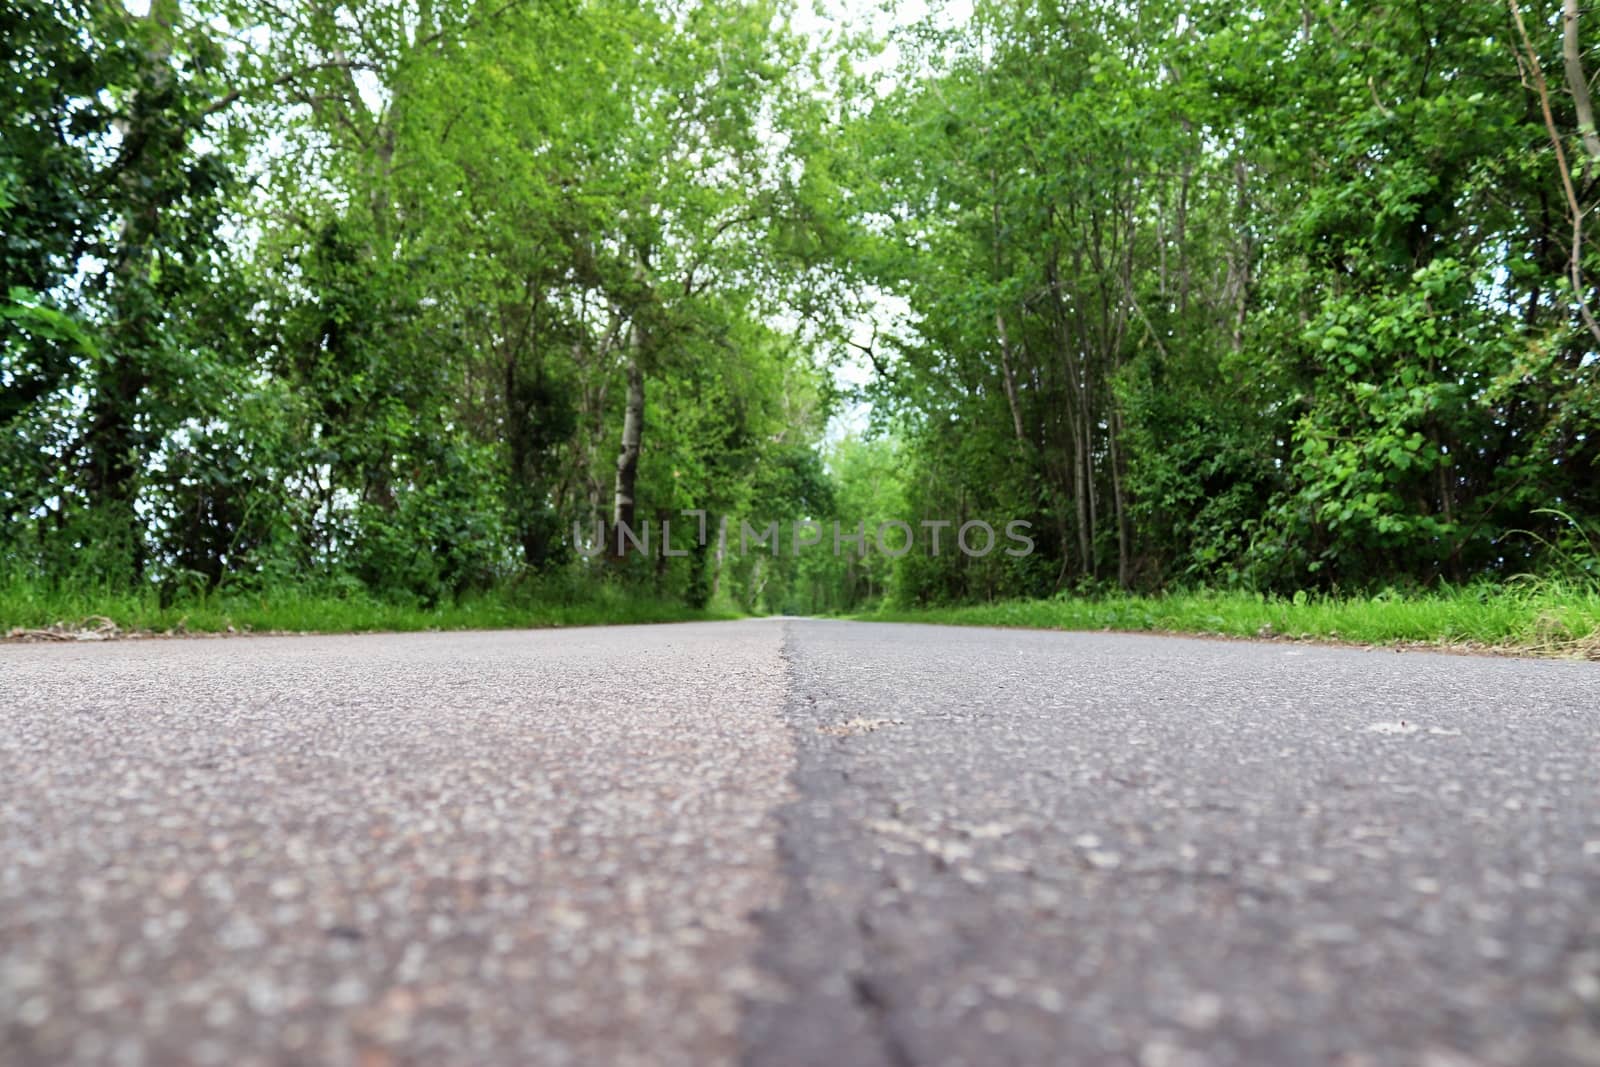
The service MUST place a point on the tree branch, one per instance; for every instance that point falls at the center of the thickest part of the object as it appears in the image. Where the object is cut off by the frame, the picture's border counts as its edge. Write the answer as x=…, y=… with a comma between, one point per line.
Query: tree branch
x=343, y=63
x=1575, y=261
x=227, y=100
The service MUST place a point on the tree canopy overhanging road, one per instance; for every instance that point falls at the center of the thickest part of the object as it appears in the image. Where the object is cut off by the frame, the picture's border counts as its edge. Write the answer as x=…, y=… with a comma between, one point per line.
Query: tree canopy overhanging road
x=390, y=297
x=791, y=842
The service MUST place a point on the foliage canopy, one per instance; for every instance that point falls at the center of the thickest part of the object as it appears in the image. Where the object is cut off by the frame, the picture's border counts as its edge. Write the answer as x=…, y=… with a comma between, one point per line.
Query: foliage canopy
x=418, y=299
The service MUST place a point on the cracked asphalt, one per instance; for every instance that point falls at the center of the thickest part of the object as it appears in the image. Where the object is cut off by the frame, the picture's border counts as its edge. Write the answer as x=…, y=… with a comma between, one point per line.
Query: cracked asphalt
x=795, y=842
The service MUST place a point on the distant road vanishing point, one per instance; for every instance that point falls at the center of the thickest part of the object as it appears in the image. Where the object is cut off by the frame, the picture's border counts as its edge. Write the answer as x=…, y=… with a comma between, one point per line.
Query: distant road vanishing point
x=803, y=843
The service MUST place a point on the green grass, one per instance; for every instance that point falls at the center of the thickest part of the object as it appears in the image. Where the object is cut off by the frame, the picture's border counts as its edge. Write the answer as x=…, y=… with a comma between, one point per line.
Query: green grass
x=1544, y=616
x=1547, y=616
x=27, y=605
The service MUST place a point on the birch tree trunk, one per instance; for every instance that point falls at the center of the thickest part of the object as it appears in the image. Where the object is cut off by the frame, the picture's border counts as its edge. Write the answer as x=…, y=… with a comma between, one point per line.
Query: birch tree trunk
x=1008, y=379
x=1577, y=80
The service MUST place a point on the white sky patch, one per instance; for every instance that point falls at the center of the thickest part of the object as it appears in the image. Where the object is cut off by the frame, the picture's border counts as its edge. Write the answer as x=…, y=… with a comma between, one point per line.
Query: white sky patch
x=371, y=90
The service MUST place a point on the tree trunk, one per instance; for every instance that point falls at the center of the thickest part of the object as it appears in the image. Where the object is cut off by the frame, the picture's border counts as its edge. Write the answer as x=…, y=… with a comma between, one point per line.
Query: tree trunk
x=1009, y=379
x=1079, y=414
x=1091, y=564
x=1182, y=235
x=623, y=504
x=1245, y=252
x=116, y=445
x=1119, y=504
x=722, y=553
x=1577, y=81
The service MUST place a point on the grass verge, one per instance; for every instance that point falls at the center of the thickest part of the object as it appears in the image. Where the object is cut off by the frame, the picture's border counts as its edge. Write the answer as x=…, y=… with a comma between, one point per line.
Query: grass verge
x=30, y=607
x=1543, y=617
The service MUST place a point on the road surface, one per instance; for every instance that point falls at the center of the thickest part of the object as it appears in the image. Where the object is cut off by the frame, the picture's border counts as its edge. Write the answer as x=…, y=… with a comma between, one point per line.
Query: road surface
x=795, y=843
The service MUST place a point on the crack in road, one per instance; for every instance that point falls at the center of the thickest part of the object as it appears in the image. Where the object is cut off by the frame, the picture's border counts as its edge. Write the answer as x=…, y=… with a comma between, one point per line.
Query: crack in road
x=818, y=944
x=1115, y=860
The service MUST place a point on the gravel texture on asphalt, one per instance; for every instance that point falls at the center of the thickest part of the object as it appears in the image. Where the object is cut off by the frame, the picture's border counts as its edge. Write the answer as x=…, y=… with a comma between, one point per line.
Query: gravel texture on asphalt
x=1038, y=848
x=489, y=848
x=795, y=844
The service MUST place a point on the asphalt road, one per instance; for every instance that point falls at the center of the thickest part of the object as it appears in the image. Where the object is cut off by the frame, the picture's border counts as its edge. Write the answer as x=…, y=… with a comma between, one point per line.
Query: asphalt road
x=806, y=843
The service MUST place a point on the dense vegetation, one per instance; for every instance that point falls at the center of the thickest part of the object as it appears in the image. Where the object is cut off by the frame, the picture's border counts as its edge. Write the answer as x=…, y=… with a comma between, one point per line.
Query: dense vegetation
x=419, y=302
